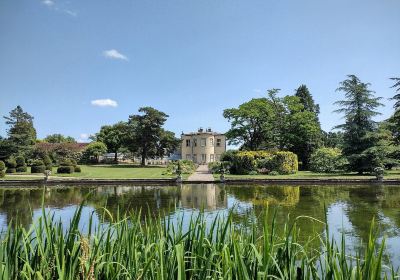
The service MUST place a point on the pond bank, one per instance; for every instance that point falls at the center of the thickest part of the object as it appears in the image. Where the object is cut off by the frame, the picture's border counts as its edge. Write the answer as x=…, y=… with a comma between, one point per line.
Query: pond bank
x=169, y=181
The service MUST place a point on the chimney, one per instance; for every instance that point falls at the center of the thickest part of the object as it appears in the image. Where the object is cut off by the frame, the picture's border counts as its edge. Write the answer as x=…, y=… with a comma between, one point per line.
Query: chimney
x=209, y=129
x=200, y=129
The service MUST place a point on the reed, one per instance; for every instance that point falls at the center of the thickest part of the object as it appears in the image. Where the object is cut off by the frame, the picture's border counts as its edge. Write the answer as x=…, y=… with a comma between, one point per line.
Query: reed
x=131, y=247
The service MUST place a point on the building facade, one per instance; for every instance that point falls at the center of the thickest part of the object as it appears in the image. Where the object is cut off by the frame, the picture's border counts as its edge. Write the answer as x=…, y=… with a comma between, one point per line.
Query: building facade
x=203, y=146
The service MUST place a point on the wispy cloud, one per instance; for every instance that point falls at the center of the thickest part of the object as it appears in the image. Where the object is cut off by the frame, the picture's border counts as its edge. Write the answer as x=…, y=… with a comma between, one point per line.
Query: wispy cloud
x=83, y=137
x=114, y=54
x=71, y=13
x=104, y=103
x=48, y=2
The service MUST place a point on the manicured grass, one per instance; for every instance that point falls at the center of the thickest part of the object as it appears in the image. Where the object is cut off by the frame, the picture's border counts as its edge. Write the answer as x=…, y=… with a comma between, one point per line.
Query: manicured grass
x=103, y=172
x=392, y=174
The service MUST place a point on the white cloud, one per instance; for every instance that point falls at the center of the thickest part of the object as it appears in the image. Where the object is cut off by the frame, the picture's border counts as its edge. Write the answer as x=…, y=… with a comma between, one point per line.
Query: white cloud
x=48, y=2
x=114, y=54
x=71, y=13
x=104, y=103
x=83, y=138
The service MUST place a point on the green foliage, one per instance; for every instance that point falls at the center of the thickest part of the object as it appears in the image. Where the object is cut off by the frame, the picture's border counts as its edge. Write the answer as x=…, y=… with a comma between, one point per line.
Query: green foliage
x=21, y=169
x=244, y=162
x=333, y=139
x=187, y=167
x=273, y=173
x=38, y=166
x=77, y=169
x=67, y=162
x=11, y=170
x=135, y=248
x=358, y=108
x=94, y=150
x=21, y=133
x=20, y=160
x=65, y=169
x=2, y=169
x=146, y=136
x=47, y=162
x=11, y=162
x=59, y=138
x=327, y=160
x=113, y=136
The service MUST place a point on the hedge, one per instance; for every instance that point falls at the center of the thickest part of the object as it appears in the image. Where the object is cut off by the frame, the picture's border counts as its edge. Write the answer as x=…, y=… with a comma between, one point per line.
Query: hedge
x=11, y=170
x=245, y=162
x=327, y=160
x=11, y=163
x=77, y=169
x=20, y=160
x=2, y=169
x=21, y=169
x=65, y=169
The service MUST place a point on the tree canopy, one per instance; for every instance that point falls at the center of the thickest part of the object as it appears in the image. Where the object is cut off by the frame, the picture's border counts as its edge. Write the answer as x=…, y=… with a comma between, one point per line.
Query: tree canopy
x=113, y=136
x=59, y=138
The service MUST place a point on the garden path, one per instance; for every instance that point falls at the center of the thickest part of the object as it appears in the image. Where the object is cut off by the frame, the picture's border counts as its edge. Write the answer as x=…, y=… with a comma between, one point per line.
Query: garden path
x=202, y=174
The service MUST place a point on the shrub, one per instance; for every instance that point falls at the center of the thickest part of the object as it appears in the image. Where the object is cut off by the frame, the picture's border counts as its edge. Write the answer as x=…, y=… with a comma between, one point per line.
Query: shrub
x=244, y=162
x=66, y=162
x=327, y=160
x=11, y=163
x=273, y=173
x=214, y=167
x=20, y=160
x=38, y=167
x=187, y=167
x=77, y=169
x=253, y=172
x=2, y=169
x=21, y=169
x=47, y=162
x=11, y=170
x=65, y=169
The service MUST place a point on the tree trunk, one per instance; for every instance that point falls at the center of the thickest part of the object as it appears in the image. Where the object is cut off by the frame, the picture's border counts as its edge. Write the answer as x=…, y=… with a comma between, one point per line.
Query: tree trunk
x=144, y=154
x=115, y=157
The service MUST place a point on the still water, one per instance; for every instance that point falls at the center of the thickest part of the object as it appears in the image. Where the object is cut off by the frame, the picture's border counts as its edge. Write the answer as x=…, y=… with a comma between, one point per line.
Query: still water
x=347, y=209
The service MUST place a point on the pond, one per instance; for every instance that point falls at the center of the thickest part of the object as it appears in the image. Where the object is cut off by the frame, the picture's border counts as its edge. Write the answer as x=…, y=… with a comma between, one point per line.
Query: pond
x=347, y=209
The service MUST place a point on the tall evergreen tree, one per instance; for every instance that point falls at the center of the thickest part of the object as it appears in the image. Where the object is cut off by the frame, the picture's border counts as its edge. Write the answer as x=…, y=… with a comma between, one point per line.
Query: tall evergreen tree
x=359, y=108
x=394, y=120
x=306, y=99
x=21, y=132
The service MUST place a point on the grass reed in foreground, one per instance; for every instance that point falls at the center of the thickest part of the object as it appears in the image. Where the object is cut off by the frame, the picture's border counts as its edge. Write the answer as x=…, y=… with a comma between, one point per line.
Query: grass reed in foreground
x=130, y=248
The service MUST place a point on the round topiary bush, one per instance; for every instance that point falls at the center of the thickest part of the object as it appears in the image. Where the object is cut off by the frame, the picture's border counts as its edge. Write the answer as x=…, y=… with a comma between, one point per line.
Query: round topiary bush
x=77, y=169
x=11, y=170
x=11, y=163
x=2, y=169
x=38, y=167
x=21, y=169
x=66, y=162
x=20, y=160
x=65, y=169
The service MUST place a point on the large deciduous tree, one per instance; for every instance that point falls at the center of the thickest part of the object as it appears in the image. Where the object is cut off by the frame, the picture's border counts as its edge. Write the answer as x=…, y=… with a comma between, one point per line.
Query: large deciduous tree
x=113, y=136
x=359, y=109
x=147, y=137
x=21, y=133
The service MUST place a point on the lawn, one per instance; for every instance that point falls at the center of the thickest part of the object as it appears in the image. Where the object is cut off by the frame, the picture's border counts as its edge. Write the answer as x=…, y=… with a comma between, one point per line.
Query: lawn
x=104, y=172
x=392, y=174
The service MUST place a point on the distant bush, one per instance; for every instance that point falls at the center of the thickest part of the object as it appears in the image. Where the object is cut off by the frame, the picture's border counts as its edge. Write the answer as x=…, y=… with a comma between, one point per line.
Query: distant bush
x=253, y=172
x=21, y=169
x=187, y=167
x=214, y=167
x=20, y=160
x=2, y=169
x=11, y=170
x=77, y=169
x=245, y=162
x=11, y=163
x=65, y=169
x=327, y=160
x=47, y=162
x=273, y=173
x=66, y=162
x=38, y=166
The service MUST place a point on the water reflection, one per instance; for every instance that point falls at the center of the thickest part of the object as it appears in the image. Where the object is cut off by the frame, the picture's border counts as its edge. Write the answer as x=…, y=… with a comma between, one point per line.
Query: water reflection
x=347, y=208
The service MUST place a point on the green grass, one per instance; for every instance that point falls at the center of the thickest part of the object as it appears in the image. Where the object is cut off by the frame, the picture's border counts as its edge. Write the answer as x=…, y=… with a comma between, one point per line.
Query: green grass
x=133, y=248
x=392, y=174
x=103, y=172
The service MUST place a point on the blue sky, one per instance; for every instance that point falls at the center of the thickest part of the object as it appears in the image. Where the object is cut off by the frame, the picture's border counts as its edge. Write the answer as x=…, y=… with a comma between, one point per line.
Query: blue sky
x=188, y=58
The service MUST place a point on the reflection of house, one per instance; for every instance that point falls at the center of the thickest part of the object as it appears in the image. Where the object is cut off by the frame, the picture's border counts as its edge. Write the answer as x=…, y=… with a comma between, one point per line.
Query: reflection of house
x=203, y=196
x=203, y=146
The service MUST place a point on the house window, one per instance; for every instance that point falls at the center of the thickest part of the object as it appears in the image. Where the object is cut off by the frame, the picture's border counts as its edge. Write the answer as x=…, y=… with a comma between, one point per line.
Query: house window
x=203, y=142
x=194, y=158
x=203, y=157
x=211, y=142
x=195, y=142
x=217, y=157
x=187, y=142
x=212, y=158
x=188, y=156
x=219, y=142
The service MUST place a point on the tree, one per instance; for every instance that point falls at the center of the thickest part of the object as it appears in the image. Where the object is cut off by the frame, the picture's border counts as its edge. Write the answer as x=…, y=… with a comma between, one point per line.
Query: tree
x=21, y=133
x=146, y=136
x=332, y=139
x=251, y=124
x=59, y=138
x=113, y=136
x=302, y=134
x=306, y=99
x=95, y=150
x=394, y=121
x=358, y=108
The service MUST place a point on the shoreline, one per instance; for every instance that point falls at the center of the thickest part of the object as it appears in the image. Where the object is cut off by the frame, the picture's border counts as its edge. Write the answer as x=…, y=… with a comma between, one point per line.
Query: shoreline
x=172, y=181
